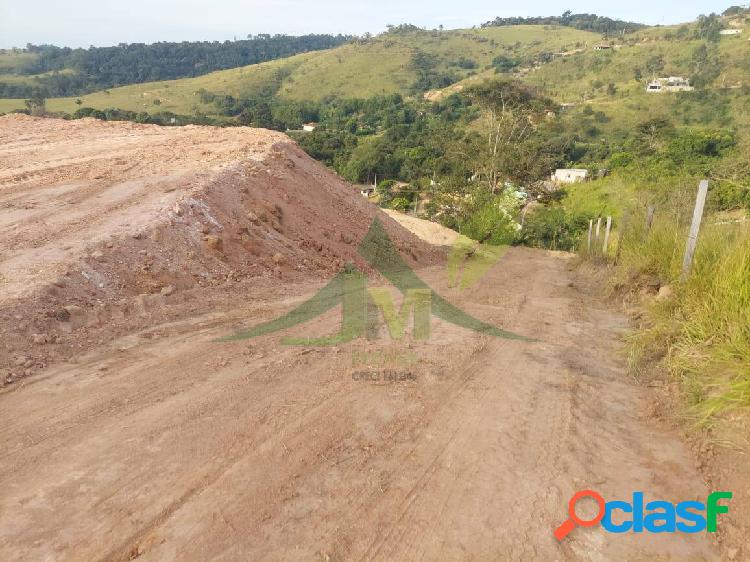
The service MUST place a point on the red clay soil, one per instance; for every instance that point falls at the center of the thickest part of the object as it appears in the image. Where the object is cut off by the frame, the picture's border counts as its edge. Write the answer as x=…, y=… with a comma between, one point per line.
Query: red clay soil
x=109, y=227
x=128, y=431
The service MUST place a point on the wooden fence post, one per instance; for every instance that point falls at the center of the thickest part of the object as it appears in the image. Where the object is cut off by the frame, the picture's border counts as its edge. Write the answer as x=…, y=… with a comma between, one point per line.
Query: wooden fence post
x=650, y=218
x=624, y=225
x=606, y=235
x=598, y=227
x=591, y=227
x=695, y=227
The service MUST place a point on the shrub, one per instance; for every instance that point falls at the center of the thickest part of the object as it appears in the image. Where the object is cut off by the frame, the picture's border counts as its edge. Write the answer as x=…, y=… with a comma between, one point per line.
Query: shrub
x=553, y=228
x=501, y=63
x=492, y=219
x=400, y=204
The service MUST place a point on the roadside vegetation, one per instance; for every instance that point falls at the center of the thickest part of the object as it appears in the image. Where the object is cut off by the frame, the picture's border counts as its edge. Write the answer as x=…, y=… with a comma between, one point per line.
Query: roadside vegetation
x=697, y=328
x=701, y=331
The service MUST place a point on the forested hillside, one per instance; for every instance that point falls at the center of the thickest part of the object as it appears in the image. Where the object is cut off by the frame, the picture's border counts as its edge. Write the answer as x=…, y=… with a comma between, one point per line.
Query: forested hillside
x=405, y=61
x=52, y=71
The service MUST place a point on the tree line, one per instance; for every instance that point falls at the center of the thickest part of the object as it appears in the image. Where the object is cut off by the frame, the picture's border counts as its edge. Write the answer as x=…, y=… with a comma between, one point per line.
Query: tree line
x=584, y=22
x=80, y=71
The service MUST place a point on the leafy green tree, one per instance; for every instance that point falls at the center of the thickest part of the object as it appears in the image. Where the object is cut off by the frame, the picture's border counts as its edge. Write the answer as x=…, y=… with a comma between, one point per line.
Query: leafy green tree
x=428, y=76
x=694, y=144
x=653, y=134
x=98, y=68
x=400, y=204
x=708, y=28
x=735, y=11
x=504, y=151
x=330, y=147
x=36, y=105
x=368, y=159
x=493, y=219
x=503, y=63
x=402, y=28
x=588, y=22
x=385, y=189
x=655, y=64
x=705, y=65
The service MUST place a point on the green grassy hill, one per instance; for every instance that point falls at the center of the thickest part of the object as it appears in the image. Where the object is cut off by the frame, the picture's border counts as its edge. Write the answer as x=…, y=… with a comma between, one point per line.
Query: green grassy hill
x=376, y=66
x=11, y=62
x=582, y=79
x=604, y=88
x=585, y=77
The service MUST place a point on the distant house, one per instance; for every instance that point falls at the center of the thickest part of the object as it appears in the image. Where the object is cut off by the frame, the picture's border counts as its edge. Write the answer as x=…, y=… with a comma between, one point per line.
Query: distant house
x=570, y=175
x=730, y=31
x=602, y=47
x=309, y=127
x=366, y=191
x=671, y=84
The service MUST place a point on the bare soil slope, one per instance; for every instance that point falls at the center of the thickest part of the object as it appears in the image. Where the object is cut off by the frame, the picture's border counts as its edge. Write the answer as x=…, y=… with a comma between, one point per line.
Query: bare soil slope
x=105, y=227
x=428, y=231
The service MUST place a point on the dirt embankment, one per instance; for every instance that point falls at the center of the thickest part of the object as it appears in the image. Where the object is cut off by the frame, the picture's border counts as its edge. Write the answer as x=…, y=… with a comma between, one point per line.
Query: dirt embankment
x=109, y=227
x=428, y=231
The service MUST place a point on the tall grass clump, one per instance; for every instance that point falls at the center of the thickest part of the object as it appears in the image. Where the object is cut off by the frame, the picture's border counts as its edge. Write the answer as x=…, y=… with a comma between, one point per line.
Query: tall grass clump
x=698, y=329
x=711, y=353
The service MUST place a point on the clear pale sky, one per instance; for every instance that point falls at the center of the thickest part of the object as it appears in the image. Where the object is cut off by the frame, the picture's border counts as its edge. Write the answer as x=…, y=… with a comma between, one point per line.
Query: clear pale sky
x=80, y=23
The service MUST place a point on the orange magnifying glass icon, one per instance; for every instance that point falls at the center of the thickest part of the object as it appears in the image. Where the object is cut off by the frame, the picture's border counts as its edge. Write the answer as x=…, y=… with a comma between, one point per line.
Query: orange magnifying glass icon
x=562, y=531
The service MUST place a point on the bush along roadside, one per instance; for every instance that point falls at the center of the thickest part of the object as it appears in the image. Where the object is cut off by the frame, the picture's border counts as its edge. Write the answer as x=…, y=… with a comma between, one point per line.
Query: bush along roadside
x=696, y=323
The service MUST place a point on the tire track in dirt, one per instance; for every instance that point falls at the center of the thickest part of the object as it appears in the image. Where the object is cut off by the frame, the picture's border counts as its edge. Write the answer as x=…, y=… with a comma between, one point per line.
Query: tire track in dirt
x=476, y=463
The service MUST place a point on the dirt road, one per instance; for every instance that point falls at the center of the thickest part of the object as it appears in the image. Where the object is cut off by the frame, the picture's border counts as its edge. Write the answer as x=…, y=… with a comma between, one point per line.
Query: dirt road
x=128, y=431
x=166, y=445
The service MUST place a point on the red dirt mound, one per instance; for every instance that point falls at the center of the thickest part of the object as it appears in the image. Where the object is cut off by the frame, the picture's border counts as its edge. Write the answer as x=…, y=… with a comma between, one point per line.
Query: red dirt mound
x=107, y=227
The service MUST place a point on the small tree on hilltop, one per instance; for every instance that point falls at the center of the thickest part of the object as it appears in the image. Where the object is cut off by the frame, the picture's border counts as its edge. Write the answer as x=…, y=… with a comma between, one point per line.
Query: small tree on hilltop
x=36, y=105
x=708, y=28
